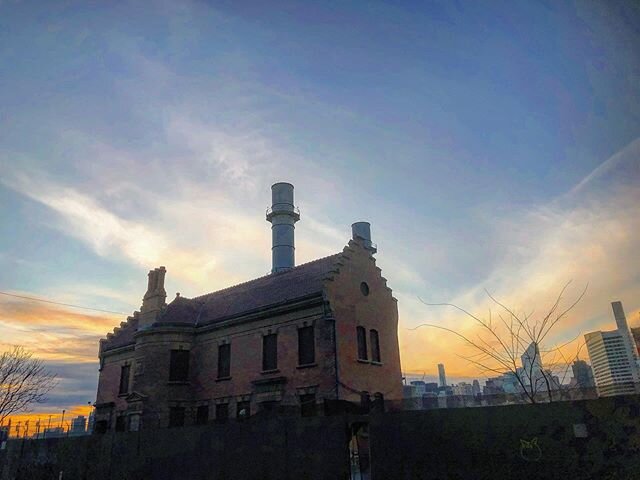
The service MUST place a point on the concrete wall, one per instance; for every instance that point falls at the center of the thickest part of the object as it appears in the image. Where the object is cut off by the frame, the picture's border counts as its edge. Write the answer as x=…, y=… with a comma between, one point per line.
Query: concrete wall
x=274, y=449
x=497, y=443
x=507, y=442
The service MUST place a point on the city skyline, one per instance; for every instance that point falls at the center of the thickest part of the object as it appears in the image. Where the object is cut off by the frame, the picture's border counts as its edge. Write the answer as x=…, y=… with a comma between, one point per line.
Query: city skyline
x=132, y=140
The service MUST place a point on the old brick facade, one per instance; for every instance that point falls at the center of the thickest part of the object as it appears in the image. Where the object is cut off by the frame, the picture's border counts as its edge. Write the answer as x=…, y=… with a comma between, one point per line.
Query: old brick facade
x=202, y=359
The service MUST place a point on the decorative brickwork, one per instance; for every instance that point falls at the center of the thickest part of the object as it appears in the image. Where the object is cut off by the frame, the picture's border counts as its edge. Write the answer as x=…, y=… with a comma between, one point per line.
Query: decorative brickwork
x=327, y=295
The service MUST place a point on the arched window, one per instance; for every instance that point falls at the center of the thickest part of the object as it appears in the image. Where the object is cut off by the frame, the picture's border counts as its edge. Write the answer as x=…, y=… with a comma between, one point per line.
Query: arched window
x=362, y=343
x=375, y=346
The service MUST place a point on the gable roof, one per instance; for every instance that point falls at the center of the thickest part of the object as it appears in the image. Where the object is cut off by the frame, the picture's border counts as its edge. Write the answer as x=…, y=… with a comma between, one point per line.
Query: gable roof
x=270, y=290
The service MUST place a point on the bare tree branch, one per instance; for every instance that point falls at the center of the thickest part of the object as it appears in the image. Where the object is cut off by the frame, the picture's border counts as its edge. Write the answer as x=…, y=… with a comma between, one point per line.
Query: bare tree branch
x=24, y=381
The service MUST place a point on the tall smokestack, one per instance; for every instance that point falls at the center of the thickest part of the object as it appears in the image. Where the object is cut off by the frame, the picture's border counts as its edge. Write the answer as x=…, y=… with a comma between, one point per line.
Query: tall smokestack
x=283, y=215
x=362, y=231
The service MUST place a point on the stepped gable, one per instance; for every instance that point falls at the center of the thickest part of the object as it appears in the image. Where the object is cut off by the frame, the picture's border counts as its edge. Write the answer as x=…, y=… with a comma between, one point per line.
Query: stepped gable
x=270, y=290
x=122, y=335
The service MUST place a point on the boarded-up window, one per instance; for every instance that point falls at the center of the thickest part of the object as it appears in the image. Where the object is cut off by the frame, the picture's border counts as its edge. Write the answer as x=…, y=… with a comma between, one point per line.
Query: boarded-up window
x=124, y=379
x=179, y=366
x=202, y=414
x=224, y=360
x=222, y=412
x=121, y=423
x=362, y=343
x=270, y=352
x=308, y=404
x=375, y=345
x=306, y=346
x=176, y=416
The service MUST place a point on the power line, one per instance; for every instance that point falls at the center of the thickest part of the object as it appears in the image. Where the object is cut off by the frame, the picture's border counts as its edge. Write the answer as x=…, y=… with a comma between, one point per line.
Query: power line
x=33, y=299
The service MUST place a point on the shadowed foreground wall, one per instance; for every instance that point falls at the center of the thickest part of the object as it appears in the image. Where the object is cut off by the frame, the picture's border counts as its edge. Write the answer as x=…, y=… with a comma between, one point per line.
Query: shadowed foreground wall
x=511, y=442
x=274, y=449
x=519, y=441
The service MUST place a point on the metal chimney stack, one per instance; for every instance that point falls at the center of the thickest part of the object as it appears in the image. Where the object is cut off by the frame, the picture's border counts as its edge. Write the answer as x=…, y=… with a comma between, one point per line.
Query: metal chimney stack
x=362, y=231
x=283, y=215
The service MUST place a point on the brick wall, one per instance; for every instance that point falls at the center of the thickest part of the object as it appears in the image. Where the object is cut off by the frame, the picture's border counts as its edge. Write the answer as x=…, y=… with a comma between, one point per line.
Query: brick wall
x=378, y=310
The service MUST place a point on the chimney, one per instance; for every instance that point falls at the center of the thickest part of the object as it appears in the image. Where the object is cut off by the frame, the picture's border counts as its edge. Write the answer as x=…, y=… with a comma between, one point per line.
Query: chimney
x=154, y=300
x=283, y=215
x=362, y=231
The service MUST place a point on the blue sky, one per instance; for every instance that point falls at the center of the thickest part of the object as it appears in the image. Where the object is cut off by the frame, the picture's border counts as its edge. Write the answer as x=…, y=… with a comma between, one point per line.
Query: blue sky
x=490, y=145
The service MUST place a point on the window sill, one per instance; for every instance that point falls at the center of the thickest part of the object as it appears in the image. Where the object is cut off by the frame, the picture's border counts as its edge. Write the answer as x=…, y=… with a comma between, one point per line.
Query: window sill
x=363, y=361
x=178, y=382
x=223, y=379
x=123, y=394
x=268, y=372
x=307, y=365
x=376, y=363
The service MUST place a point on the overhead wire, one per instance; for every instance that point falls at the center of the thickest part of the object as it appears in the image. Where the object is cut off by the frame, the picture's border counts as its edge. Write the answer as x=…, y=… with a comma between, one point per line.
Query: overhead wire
x=34, y=299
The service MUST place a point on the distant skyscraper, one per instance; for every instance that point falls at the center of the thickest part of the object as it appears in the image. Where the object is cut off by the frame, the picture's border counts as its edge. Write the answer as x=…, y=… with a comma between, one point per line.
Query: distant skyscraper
x=532, y=368
x=614, y=357
x=442, y=376
x=79, y=425
x=582, y=374
x=476, y=388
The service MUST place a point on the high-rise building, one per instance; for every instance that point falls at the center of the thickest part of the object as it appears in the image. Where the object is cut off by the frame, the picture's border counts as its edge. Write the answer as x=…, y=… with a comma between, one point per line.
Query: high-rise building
x=532, y=372
x=78, y=425
x=582, y=374
x=476, y=388
x=442, y=376
x=614, y=357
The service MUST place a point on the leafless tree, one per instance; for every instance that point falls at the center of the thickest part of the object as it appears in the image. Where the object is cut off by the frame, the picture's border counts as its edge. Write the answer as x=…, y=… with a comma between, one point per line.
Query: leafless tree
x=505, y=338
x=24, y=381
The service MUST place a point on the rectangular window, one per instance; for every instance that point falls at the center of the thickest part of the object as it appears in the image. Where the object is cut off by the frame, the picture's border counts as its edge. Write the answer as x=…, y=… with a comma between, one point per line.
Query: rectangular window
x=362, y=343
x=202, y=414
x=306, y=346
x=179, y=366
x=270, y=352
x=222, y=412
x=176, y=416
x=243, y=410
x=375, y=346
x=308, y=405
x=224, y=360
x=124, y=379
x=121, y=423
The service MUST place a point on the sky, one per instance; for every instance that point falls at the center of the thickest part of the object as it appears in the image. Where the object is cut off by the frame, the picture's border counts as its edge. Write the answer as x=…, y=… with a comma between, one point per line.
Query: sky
x=492, y=146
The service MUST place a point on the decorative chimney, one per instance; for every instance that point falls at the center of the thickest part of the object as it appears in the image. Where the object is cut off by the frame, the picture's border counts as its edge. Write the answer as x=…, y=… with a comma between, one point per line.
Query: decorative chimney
x=362, y=231
x=283, y=215
x=154, y=300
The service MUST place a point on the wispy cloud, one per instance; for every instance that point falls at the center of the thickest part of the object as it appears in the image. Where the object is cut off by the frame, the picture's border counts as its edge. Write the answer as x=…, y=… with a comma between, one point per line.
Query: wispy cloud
x=587, y=237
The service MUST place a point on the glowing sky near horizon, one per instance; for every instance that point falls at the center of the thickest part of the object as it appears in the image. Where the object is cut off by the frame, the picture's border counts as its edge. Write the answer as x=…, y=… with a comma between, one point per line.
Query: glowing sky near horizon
x=491, y=146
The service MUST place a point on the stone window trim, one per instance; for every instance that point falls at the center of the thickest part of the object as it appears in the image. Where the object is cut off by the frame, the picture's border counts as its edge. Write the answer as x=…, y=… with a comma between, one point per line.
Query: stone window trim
x=307, y=365
x=243, y=398
x=306, y=323
x=273, y=330
x=223, y=341
x=223, y=379
x=221, y=400
x=311, y=389
x=270, y=372
x=201, y=403
x=138, y=368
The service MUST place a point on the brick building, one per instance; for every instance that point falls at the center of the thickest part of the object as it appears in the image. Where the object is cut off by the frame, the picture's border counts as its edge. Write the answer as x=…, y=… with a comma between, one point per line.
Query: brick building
x=326, y=329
